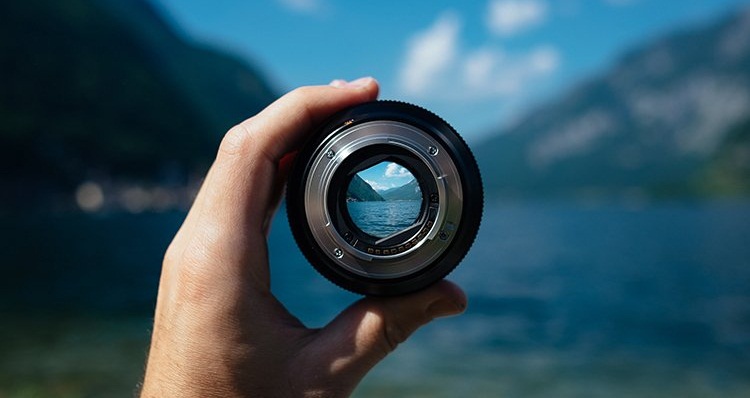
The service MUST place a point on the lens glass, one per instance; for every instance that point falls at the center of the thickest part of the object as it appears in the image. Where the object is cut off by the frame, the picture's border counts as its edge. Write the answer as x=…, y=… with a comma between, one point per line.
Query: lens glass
x=384, y=199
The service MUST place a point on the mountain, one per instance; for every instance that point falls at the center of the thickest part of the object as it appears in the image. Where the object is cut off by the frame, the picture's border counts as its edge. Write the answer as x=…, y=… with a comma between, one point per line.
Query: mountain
x=728, y=171
x=658, y=123
x=409, y=191
x=360, y=191
x=107, y=90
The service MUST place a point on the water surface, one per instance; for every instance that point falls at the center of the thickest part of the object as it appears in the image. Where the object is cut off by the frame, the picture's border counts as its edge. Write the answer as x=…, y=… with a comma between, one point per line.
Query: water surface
x=565, y=300
x=382, y=219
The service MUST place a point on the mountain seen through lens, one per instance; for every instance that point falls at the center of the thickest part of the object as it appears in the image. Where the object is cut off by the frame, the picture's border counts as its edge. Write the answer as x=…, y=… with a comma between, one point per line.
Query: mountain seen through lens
x=383, y=199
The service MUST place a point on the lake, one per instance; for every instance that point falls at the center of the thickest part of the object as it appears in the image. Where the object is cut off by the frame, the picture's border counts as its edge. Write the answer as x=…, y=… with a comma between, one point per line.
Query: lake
x=381, y=219
x=565, y=300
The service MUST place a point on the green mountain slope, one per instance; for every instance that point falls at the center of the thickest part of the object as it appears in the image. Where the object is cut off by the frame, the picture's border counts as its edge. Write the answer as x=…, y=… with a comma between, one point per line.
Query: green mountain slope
x=107, y=90
x=728, y=171
x=651, y=125
x=408, y=191
x=360, y=191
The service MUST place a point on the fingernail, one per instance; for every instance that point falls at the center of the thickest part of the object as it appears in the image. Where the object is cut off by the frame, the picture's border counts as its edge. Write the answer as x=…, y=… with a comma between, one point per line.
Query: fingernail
x=444, y=307
x=361, y=82
x=337, y=83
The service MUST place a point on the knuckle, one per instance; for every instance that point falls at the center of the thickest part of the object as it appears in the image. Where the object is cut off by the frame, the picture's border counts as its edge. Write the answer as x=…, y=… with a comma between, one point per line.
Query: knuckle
x=300, y=94
x=171, y=255
x=191, y=269
x=237, y=141
x=301, y=98
x=393, y=335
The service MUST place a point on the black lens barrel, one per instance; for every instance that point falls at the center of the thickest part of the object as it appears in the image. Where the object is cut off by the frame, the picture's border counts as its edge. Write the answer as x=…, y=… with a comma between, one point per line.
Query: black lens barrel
x=448, y=176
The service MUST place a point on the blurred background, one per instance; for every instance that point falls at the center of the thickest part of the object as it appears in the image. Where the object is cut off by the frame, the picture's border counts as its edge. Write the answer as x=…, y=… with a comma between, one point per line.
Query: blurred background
x=613, y=137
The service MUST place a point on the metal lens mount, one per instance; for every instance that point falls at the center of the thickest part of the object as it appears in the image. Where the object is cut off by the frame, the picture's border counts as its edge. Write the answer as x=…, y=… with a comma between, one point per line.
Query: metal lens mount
x=407, y=260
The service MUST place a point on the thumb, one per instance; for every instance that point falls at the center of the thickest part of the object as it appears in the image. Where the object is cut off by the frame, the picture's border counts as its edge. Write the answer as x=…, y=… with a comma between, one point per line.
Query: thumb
x=373, y=327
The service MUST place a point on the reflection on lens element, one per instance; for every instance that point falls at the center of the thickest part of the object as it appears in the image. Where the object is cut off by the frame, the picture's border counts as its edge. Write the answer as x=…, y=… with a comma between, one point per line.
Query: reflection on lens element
x=384, y=199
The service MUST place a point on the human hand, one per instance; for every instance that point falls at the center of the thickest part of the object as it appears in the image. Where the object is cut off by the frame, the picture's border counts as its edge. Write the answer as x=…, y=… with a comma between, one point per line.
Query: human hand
x=218, y=329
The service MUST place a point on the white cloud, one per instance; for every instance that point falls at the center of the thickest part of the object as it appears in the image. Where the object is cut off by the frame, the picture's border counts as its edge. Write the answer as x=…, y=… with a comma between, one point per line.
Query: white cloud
x=543, y=60
x=302, y=6
x=429, y=53
x=436, y=67
x=490, y=72
x=479, y=65
x=394, y=170
x=508, y=17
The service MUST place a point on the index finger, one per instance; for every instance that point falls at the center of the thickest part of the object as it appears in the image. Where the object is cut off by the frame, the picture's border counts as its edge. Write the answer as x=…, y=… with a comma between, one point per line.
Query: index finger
x=279, y=128
x=239, y=186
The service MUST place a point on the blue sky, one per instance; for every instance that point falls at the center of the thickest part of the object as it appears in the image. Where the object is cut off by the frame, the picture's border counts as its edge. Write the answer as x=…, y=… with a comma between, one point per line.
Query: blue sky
x=386, y=175
x=478, y=64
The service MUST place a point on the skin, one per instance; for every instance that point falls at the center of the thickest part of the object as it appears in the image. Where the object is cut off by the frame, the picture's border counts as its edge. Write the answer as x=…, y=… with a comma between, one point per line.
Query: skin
x=218, y=329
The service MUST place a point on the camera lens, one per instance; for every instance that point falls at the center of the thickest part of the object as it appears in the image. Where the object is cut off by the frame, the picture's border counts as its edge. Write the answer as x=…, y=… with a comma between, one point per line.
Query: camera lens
x=385, y=198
